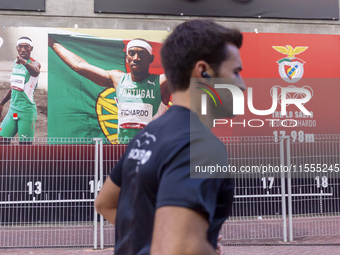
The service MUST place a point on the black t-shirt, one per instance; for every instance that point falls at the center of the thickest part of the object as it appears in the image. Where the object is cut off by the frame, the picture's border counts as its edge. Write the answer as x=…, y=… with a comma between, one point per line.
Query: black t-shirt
x=155, y=171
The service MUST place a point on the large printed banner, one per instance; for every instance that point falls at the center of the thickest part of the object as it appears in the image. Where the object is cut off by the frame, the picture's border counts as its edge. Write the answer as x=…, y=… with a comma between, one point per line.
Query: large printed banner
x=78, y=107
x=291, y=9
x=270, y=61
x=288, y=63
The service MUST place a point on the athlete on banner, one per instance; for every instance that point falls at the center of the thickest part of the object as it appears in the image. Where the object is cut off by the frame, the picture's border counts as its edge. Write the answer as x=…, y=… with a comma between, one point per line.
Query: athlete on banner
x=22, y=113
x=141, y=96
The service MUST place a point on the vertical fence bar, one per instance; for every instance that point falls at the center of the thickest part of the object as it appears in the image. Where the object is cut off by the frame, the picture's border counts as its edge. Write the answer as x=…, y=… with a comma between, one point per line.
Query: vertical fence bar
x=289, y=187
x=101, y=228
x=283, y=189
x=95, y=214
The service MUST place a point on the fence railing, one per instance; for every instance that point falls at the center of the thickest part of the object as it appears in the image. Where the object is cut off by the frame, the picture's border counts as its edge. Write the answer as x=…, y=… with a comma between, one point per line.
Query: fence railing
x=48, y=189
x=301, y=200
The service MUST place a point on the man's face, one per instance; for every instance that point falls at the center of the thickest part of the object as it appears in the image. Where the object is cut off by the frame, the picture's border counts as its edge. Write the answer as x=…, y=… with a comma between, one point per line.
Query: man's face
x=24, y=50
x=138, y=60
x=230, y=69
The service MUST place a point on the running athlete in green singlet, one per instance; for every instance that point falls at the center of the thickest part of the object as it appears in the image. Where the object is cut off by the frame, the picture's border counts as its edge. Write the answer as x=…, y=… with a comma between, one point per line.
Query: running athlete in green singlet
x=22, y=113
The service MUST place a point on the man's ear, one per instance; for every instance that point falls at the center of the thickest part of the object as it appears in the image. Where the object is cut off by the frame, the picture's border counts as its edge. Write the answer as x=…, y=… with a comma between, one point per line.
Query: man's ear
x=31, y=48
x=152, y=57
x=200, y=68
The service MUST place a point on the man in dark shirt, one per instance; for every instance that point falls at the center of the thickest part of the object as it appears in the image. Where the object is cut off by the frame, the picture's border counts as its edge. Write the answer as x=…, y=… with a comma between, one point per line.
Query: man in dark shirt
x=150, y=196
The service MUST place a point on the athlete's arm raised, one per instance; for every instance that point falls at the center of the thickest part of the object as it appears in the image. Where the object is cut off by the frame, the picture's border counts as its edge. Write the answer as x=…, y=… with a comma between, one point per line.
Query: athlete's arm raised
x=97, y=75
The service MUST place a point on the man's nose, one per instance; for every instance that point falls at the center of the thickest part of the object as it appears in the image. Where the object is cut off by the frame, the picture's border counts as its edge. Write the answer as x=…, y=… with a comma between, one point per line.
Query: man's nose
x=241, y=84
x=135, y=57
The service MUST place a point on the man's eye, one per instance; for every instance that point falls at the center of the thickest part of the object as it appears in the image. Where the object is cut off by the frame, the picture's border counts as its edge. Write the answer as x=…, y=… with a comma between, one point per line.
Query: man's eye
x=26, y=47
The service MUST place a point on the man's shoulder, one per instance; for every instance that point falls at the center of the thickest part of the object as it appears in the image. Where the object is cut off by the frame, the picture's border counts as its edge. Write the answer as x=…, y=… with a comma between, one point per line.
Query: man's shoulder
x=115, y=75
x=153, y=78
x=172, y=126
x=201, y=133
x=33, y=60
x=205, y=147
x=175, y=117
x=36, y=62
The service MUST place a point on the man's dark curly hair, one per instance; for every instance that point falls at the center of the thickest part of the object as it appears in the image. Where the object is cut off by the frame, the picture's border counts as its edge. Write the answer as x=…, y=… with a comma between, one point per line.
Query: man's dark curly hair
x=191, y=42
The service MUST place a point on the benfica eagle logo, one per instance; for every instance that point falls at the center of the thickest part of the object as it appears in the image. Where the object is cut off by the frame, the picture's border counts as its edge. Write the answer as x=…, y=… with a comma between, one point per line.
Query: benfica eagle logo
x=290, y=67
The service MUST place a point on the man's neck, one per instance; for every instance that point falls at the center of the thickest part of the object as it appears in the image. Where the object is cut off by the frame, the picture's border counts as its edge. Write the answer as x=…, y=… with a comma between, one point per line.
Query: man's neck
x=139, y=77
x=182, y=98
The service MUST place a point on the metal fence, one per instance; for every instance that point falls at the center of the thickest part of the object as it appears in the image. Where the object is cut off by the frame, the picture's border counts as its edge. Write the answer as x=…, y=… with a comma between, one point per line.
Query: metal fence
x=316, y=198
x=48, y=188
x=47, y=194
x=300, y=202
x=257, y=208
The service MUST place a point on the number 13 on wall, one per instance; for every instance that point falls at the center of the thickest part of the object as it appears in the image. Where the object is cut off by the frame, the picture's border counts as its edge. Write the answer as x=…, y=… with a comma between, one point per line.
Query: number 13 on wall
x=37, y=186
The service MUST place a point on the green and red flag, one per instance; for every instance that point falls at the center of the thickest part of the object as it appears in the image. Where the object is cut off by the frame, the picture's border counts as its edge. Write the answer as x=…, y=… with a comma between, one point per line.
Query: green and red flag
x=77, y=107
